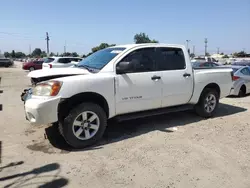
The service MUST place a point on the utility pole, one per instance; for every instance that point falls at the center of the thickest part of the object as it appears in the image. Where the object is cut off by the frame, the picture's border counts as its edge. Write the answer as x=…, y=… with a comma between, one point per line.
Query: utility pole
x=65, y=47
x=205, y=46
x=187, y=46
x=30, y=49
x=47, y=39
x=194, y=49
x=218, y=50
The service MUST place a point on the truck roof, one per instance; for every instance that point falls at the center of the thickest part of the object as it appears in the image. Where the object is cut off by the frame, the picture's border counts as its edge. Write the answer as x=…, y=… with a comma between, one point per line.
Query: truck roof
x=147, y=44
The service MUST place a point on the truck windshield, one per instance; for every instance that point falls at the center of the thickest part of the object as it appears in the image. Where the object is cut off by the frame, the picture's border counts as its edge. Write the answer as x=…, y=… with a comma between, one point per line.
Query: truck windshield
x=100, y=58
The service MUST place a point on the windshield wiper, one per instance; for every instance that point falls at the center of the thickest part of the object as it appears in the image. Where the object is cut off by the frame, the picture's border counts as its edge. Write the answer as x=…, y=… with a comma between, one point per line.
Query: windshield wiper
x=90, y=69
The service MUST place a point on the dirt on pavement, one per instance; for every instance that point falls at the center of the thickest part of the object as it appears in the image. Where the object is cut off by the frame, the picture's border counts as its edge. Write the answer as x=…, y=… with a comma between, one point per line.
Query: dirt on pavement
x=171, y=151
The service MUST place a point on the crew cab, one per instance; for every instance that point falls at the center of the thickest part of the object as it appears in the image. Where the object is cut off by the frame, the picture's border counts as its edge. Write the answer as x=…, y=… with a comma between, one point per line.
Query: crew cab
x=123, y=82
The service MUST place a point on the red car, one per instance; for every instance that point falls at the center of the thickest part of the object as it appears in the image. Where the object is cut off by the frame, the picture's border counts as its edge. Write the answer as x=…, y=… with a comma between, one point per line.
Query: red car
x=33, y=65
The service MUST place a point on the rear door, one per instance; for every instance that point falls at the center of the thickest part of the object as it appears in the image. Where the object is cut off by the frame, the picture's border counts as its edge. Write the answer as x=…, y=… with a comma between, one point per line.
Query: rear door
x=47, y=61
x=38, y=64
x=245, y=72
x=176, y=76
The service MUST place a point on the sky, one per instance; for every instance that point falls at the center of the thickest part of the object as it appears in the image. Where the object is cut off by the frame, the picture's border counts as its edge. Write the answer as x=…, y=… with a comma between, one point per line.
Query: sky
x=83, y=24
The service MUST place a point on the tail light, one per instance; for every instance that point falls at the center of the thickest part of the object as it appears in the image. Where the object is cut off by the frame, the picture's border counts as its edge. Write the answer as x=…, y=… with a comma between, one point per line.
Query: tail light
x=50, y=65
x=232, y=75
x=235, y=78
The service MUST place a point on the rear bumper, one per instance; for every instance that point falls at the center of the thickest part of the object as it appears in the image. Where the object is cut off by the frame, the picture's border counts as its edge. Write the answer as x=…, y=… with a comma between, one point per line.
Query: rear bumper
x=233, y=92
x=42, y=111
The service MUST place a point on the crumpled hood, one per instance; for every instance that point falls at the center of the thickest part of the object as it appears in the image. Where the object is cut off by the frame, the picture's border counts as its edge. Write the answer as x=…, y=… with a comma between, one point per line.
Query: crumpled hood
x=57, y=72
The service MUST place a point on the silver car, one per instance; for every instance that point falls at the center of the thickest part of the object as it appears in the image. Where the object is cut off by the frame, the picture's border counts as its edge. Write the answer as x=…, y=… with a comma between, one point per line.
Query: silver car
x=241, y=81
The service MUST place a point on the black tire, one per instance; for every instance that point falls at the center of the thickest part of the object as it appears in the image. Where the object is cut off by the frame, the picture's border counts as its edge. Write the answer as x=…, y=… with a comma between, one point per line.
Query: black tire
x=242, y=92
x=67, y=126
x=33, y=81
x=200, y=106
x=31, y=69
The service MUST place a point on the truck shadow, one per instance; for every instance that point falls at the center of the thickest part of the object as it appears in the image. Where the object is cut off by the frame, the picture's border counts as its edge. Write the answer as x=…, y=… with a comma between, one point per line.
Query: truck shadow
x=35, y=177
x=116, y=132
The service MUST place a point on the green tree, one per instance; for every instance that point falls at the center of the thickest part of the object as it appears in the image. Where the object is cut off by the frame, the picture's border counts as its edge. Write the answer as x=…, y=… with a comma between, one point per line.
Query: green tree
x=240, y=54
x=7, y=54
x=20, y=55
x=74, y=54
x=89, y=54
x=143, y=38
x=225, y=56
x=66, y=54
x=51, y=54
x=101, y=46
x=13, y=54
x=83, y=56
x=43, y=54
x=37, y=52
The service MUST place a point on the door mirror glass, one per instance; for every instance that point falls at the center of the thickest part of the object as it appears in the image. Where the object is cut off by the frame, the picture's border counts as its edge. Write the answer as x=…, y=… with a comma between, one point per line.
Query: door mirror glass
x=124, y=67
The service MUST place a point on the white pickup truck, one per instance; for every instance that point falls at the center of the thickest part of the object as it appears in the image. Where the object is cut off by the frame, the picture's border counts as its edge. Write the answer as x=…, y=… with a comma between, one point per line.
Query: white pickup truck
x=123, y=82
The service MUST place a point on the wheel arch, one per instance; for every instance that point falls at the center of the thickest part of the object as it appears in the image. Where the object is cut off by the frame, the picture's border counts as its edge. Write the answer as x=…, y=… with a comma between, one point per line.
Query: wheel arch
x=66, y=105
x=214, y=86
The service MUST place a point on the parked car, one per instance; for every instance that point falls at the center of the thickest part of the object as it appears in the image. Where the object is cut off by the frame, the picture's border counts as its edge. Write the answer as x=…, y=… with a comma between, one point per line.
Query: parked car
x=203, y=59
x=33, y=65
x=242, y=63
x=241, y=81
x=60, y=62
x=123, y=82
x=6, y=62
x=205, y=64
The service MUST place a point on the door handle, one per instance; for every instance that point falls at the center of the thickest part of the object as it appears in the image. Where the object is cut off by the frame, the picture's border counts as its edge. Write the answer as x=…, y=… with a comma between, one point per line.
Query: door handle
x=186, y=75
x=155, y=77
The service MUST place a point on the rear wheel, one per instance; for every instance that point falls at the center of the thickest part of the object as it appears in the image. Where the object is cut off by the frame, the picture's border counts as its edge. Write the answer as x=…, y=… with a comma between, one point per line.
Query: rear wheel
x=84, y=125
x=242, y=91
x=208, y=103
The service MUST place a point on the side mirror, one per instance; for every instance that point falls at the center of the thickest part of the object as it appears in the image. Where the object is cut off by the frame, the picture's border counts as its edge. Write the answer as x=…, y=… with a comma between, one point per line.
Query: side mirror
x=124, y=67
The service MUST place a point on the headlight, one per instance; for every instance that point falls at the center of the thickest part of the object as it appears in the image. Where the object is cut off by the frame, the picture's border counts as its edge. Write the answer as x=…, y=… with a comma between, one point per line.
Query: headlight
x=50, y=88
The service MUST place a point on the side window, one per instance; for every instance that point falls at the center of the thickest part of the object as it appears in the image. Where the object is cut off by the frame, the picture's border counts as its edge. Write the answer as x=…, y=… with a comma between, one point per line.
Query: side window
x=170, y=59
x=245, y=71
x=143, y=59
x=64, y=60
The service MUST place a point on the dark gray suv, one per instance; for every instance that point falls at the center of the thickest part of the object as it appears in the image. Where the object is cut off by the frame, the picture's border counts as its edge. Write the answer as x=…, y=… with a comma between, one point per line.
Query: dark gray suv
x=5, y=62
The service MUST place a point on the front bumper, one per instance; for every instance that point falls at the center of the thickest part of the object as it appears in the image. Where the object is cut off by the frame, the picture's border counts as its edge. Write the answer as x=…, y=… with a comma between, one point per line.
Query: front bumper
x=40, y=111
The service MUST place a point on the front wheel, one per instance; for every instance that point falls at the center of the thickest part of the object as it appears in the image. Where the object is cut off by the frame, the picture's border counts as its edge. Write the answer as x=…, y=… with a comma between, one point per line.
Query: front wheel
x=208, y=103
x=84, y=125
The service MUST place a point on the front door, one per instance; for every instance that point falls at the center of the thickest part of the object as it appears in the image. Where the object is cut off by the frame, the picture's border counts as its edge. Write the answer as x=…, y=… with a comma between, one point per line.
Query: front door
x=139, y=89
x=176, y=76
